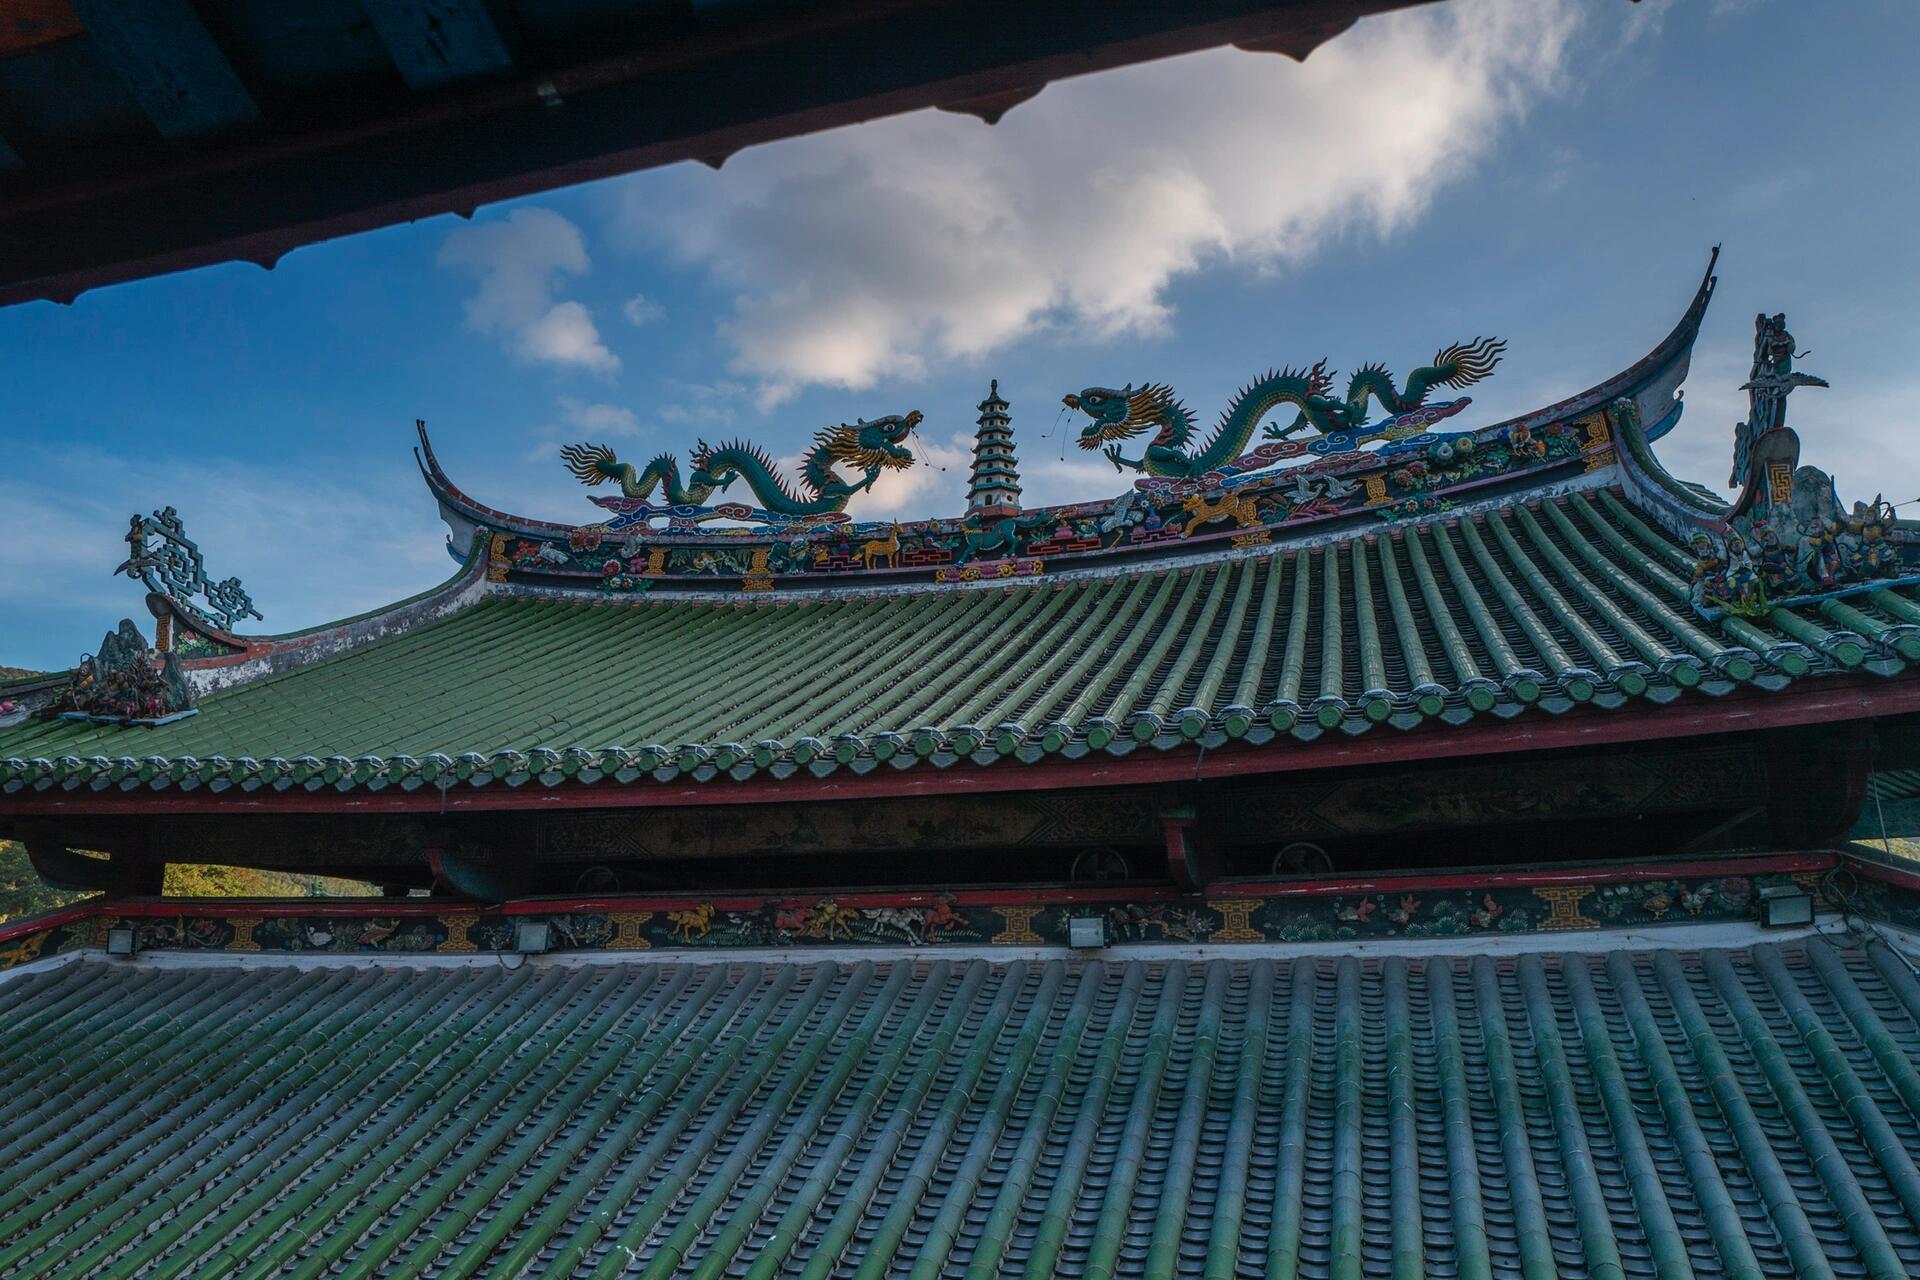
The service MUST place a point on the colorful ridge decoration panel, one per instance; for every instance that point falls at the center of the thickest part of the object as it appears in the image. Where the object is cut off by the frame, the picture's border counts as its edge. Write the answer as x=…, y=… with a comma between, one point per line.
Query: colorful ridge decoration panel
x=1420, y=473
x=1750, y=1112
x=1287, y=457
x=1394, y=907
x=1549, y=605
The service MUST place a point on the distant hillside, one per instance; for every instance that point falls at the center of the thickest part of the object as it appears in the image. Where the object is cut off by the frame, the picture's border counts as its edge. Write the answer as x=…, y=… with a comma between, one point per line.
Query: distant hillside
x=17, y=673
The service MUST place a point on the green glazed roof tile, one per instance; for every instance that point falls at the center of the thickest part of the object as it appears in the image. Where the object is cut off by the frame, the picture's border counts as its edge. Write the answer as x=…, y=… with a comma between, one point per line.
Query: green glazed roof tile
x=1571, y=600
x=1752, y=1112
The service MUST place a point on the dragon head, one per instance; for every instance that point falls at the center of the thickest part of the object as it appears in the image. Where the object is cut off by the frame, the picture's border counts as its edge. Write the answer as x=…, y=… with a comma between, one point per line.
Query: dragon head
x=1122, y=414
x=872, y=442
x=590, y=463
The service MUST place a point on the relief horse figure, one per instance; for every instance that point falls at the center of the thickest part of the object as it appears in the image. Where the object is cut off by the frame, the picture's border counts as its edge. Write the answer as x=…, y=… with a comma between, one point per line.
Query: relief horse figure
x=691, y=923
x=1203, y=509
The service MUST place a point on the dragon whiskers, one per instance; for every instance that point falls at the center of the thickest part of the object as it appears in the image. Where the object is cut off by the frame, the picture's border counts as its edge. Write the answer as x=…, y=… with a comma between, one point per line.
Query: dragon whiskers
x=1470, y=361
x=589, y=463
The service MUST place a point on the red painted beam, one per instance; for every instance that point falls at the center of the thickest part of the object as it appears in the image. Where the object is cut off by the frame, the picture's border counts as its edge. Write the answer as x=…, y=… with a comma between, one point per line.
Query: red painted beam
x=1886, y=873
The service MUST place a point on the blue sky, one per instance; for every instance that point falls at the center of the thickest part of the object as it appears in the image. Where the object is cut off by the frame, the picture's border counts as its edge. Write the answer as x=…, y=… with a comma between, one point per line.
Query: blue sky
x=1547, y=170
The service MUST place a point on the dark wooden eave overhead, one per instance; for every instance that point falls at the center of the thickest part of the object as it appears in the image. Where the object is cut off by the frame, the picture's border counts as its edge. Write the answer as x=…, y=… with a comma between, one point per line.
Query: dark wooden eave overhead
x=139, y=137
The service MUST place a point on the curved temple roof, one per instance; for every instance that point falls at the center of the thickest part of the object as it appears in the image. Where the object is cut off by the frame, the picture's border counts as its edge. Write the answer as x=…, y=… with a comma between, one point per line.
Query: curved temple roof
x=1548, y=572
x=1566, y=601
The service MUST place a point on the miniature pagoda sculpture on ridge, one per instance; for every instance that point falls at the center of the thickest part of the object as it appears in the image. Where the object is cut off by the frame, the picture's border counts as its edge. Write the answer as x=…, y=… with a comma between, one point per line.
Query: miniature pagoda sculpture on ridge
x=868, y=445
x=1340, y=425
x=995, y=483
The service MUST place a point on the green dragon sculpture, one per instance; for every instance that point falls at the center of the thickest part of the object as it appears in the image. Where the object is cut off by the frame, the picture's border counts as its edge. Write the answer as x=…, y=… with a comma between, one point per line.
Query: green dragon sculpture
x=1122, y=414
x=871, y=446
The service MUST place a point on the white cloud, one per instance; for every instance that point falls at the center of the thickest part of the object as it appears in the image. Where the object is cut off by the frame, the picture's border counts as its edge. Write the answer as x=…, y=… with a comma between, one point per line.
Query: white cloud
x=702, y=404
x=642, y=310
x=520, y=263
x=935, y=484
x=606, y=419
x=862, y=254
x=577, y=421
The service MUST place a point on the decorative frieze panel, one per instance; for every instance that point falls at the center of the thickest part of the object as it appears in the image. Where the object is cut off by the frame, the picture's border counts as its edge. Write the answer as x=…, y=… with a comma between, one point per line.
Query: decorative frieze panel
x=1388, y=908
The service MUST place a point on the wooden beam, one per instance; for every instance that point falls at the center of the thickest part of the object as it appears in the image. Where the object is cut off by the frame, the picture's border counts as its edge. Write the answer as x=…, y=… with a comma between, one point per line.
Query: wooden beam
x=994, y=105
x=439, y=42
x=1298, y=42
x=64, y=869
x=166, y=58
x=689, y=90
x=27, y=24
x=1190, y=865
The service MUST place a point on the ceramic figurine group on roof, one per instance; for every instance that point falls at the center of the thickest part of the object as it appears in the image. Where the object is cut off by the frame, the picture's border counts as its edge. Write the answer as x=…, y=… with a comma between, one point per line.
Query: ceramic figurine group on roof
x=1327, y=466
x=1787, y=539
x=1340, y=426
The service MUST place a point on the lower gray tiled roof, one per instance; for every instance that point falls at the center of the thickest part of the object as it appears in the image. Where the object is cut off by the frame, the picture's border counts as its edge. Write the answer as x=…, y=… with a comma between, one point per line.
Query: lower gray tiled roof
x=1747, y=1112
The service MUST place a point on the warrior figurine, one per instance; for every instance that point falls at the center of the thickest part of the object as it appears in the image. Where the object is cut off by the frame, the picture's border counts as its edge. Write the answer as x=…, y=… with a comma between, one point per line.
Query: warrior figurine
x=1744, y=593
x=1767, y=386
x=1864, y=548
x=1822, y=554
x=1709, y=572
x=1776, y=562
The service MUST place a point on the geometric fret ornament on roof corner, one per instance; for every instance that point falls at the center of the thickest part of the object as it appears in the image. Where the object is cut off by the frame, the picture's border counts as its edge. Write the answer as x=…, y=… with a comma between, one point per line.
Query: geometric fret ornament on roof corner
x=1339, y=425
x=163, y=557
x=868, y=445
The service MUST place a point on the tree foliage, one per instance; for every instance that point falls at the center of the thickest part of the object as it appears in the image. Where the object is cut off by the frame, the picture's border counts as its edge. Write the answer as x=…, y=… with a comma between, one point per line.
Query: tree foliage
x=206, y=880
x=24, y=893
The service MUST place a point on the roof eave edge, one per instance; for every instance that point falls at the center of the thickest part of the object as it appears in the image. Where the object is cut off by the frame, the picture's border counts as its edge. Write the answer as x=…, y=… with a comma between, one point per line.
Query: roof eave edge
x=1637, y=415
x=463, y=514
x=263, y=656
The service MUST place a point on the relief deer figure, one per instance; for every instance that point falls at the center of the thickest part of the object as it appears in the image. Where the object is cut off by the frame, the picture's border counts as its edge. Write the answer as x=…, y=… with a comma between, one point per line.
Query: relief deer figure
x=885, y=549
